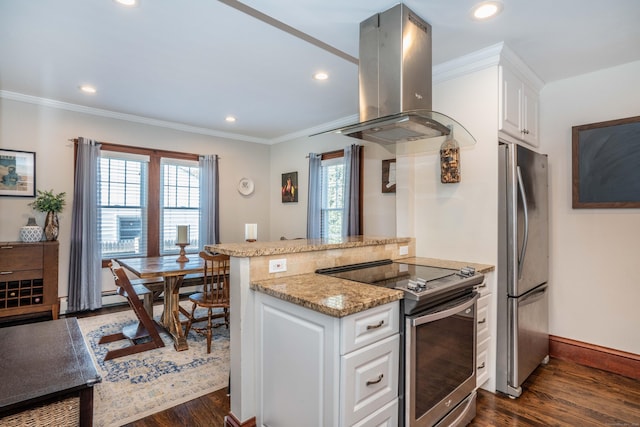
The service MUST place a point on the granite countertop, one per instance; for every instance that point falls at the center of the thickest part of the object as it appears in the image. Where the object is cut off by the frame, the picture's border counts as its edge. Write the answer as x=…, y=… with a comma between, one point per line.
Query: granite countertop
x=328, y=295
x=339, y=297
x=444, y=263
x=254, y=249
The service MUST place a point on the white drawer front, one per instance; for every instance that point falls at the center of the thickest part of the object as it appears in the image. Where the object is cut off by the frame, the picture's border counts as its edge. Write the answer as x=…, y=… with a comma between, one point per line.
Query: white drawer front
x=482, y=363
x=483, y=318
x=387, y=416
x=366, y=327
x=369, y=379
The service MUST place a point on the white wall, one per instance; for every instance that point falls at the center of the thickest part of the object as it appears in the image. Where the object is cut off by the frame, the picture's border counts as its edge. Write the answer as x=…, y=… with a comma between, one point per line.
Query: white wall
x=290, y=219
x=46, y=130
x=456, y=221
x=593, y=252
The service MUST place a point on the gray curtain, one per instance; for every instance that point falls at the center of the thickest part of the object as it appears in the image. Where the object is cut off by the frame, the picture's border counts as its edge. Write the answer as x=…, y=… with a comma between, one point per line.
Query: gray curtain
x=314, y=206
x=85, y=264
x=351, y=213
x=209, y=198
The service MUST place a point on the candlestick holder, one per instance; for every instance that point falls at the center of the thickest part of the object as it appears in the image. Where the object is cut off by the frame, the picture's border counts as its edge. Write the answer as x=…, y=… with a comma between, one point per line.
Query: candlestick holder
x=250, y=240
x=182, y=257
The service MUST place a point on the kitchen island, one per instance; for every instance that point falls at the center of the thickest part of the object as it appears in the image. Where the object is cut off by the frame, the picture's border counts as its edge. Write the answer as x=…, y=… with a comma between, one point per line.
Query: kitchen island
x=284, y=271
x=251, y=262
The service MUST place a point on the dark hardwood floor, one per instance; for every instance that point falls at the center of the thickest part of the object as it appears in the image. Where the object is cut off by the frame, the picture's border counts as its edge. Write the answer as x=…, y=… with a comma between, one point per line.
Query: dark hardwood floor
x=558, y=394
x=565, y=394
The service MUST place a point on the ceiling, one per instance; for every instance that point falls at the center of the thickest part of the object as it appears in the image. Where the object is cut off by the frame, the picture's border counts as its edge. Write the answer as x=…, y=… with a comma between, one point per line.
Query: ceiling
x=188, y=64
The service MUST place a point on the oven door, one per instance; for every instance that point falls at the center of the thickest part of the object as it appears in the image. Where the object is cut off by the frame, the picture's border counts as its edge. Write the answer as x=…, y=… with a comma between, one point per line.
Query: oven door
x=440, y=352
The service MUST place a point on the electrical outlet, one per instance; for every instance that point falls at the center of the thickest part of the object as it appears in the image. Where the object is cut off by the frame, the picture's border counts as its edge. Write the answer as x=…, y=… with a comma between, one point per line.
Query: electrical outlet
x=403, y=250
x=277, y=265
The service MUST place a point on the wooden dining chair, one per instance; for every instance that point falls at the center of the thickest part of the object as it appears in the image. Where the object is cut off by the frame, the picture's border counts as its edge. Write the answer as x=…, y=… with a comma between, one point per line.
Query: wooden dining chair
x=143, y=334
x=214, y=295
x=145, y=293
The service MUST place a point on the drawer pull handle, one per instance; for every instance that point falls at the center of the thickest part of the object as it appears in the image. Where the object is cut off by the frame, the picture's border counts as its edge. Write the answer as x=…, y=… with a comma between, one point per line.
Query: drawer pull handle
x=6, y=272
x=6, y=247
x=376, y=381
x=375, y=326
x=482, y=365
x=484, y=320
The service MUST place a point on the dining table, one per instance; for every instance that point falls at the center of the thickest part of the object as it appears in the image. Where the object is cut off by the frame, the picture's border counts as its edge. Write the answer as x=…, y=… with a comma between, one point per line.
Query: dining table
x=172, y=273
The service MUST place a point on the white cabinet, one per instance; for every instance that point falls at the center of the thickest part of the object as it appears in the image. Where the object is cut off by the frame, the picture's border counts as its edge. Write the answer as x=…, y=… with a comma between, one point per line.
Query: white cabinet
x=518, y=109
x=318, y=370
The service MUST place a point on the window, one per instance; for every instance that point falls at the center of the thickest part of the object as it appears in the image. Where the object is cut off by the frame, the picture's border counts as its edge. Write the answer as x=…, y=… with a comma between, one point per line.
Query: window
x=180, y=202
x=332, y=208
x=333, y=205
x=123, y=204
x=144, y=195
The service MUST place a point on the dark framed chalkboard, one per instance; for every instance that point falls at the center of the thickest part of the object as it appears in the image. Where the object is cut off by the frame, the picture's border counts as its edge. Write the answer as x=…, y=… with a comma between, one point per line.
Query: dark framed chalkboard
x=606, y=164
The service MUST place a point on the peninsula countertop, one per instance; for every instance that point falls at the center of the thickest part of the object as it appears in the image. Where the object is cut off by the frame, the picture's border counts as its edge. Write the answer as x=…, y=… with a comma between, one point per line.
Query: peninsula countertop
x=255, y=249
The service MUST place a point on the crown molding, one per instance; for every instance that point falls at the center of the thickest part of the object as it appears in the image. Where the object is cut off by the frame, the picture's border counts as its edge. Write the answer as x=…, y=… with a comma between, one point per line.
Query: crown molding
x=491, y=56
x=468, y=64
x=45, y=102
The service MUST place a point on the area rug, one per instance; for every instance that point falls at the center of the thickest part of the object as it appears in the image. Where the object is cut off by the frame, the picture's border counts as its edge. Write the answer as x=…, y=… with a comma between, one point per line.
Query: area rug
x=142, y=384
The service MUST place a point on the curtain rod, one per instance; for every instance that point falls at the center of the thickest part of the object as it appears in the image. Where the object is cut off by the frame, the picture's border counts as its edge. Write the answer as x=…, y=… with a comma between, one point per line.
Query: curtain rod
x=75, y=140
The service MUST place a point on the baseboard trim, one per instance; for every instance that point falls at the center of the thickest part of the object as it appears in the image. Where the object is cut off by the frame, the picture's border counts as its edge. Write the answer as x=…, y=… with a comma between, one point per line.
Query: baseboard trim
x=607, y=359
x=231, y=421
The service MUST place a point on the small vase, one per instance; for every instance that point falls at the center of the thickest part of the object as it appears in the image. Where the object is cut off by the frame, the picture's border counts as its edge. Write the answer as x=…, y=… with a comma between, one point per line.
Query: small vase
x=51, y=226
x=31, y=232
x=450, y=160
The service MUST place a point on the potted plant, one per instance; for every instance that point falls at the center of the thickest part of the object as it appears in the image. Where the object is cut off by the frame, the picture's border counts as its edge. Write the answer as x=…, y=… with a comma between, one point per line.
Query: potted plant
x=52, y=204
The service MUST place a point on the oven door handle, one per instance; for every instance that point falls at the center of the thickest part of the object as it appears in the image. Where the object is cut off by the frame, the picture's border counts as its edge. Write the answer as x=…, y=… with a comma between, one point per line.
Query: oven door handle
x=432, y=317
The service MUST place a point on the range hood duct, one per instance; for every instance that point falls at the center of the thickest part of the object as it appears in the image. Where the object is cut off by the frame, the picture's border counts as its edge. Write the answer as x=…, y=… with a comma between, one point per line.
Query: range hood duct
x=395, y=86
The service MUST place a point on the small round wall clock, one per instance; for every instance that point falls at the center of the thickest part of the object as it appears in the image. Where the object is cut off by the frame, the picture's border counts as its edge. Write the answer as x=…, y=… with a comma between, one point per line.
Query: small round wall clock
x=245, y=186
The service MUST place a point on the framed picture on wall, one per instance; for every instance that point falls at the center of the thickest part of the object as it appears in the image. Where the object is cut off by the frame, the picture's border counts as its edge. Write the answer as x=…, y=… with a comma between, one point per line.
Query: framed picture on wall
x=289, y=187
x=17, y=173
x=606, y=164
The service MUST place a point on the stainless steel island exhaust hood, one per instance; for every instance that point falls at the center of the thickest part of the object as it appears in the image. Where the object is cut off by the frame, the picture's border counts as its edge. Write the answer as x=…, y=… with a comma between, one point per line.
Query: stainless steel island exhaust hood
x=395, y=86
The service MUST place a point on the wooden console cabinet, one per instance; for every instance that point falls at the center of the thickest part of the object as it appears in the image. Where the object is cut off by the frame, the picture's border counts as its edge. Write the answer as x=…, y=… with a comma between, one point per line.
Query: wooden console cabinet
x=28, y=278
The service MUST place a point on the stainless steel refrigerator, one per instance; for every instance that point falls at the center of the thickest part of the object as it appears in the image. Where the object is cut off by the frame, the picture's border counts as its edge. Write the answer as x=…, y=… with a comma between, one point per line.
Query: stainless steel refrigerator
x=523, y=266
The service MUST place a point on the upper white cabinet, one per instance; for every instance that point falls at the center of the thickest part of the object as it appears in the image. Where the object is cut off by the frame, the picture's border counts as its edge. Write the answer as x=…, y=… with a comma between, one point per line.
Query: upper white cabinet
x=518, y=106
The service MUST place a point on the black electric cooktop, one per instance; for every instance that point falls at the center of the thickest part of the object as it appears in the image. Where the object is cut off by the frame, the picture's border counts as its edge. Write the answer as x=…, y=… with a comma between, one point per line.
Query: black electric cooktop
x=419, y=282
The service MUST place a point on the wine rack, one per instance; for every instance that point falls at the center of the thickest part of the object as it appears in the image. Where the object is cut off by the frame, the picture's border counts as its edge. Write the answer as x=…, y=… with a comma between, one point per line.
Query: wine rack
x=28, y=278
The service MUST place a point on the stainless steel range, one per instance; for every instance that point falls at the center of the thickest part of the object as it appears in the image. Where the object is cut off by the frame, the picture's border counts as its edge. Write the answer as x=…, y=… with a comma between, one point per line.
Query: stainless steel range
x=438, y=338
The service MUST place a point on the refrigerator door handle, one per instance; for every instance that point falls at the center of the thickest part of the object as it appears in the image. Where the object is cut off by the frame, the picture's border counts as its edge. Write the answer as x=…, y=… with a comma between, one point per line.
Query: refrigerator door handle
x=525, y=211
x=533, y=296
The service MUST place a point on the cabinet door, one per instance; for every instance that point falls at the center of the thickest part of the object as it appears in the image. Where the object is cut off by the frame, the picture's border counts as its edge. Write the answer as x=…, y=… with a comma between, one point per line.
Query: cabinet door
x=510, y=109
x=530, y=116
x=297, y=376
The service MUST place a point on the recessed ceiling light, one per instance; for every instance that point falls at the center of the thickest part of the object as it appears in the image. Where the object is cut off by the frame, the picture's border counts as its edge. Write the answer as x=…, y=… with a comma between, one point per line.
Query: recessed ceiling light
x=128, y=3
x=321, y=75
x=486, y=10
x=230, y=119
x=88, y=89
